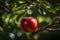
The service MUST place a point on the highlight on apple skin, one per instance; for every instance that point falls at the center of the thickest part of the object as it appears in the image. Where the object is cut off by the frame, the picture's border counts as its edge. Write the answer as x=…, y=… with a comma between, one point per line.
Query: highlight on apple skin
x=29, y=24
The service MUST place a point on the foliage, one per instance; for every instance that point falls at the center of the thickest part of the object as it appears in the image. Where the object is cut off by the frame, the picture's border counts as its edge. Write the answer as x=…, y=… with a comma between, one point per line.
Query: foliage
x=12, y=11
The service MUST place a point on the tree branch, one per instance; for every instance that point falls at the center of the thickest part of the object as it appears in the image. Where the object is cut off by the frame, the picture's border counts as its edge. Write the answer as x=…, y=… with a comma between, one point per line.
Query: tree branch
x=46, y=27
x=50, y=29
x=5, y=8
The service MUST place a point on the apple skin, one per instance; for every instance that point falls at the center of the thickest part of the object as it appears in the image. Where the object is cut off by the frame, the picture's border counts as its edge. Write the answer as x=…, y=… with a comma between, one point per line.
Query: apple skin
x=29, y=24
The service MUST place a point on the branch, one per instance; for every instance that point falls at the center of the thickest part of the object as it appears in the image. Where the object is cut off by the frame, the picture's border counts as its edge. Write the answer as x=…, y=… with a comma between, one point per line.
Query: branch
x=32, y=4
x=5, y=8
x=45, y=27
x=49, y=29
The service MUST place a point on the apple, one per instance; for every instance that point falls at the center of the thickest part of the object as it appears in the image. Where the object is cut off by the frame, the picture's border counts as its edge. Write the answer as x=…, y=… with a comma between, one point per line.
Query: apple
x=29, y=24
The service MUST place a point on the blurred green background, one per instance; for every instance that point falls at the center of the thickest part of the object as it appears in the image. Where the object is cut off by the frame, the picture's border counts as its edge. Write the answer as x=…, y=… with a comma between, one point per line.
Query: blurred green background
x=43, y=10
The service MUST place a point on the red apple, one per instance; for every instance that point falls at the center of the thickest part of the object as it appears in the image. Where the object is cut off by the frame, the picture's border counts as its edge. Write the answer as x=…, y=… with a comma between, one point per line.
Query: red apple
x=29, y=24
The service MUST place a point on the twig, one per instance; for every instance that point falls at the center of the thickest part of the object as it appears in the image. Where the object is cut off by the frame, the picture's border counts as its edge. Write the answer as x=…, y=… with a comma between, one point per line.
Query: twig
x=32, y=4
x=50, y=29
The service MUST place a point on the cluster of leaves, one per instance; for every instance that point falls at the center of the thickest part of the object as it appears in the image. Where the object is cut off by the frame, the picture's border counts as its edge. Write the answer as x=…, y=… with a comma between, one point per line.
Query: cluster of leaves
x=12, y=11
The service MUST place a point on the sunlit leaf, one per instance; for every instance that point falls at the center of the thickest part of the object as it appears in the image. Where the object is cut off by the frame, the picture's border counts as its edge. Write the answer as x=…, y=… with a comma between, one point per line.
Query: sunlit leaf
x=1, y=29
x=29, y=11
x=7, y=19
x=19, y=7
x=4, y=16
x=43, y=19
x=13, y=19
x=40, y=19
x=21, y=11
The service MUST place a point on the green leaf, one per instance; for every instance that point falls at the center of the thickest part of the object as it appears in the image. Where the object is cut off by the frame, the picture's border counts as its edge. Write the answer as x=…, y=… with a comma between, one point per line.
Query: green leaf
x=52, y=10
x=13, y=19
x=19, y=7
x=43, y=19
x=21, y=11
x=29, y=11
x=7, y=19
x=4, y=16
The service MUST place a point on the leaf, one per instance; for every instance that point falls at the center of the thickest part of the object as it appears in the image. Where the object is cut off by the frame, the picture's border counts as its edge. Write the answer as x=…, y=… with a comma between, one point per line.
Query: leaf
x=13, y=19
x=43, y=19
x=29, y=11
x=40, y=19
x=19, y=7
x=1, y=29
x=7, y=19
x=52, y=10
x=21, y=11
x=4, y=16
